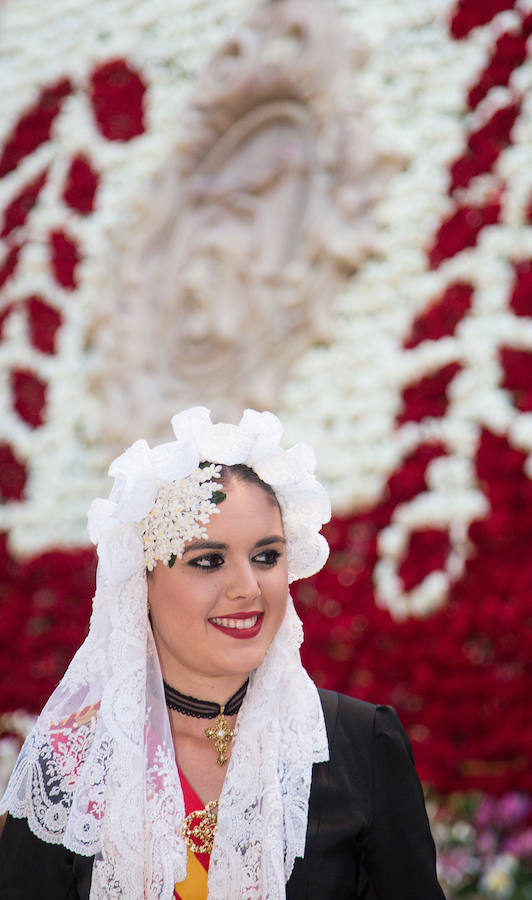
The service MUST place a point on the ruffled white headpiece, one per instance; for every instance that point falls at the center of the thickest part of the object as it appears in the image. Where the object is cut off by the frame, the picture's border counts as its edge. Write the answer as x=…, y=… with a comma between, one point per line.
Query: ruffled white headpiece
x=98, y=771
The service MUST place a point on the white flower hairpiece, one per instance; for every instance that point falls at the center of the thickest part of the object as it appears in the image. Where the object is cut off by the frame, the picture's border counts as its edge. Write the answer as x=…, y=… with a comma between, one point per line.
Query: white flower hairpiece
x=141, y=472
x=179, y=514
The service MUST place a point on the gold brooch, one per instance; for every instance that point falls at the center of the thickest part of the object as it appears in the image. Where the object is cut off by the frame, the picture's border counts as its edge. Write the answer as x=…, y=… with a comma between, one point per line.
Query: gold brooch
x=221, y=735
x=199, y=828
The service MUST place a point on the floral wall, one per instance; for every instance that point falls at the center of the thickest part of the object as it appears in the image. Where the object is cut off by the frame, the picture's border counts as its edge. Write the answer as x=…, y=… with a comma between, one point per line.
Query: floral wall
x=419, y=407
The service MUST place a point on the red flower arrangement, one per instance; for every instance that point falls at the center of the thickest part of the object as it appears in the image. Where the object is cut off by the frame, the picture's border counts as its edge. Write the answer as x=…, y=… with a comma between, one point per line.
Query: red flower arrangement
x=469, y=14
x=484, y=146
x=461, y=229
x=428, y=397
x=10, y=263
x=64, y=257
x=44, y=323
x=509, y=53
x=427, y=552
x=12, y=475
x=17, y=211
x=460, y=680
x=81, y=185
x=442, y=316
x=34, y=127
x=521, y=296
x=117, y=93
x=29, y=396
x=45, y=606
x=517, y=365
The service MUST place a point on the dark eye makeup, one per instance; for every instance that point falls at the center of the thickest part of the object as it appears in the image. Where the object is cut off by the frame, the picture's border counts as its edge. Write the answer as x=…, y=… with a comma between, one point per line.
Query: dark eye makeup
x=267, y=557
x=208, y=562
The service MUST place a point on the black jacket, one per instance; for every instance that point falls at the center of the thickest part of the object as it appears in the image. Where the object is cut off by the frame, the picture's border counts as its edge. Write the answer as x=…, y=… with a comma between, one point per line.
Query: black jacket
x=367, y=838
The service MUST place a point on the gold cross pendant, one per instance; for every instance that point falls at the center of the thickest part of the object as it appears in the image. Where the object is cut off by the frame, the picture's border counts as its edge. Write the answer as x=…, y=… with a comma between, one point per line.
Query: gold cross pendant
x=221, y=735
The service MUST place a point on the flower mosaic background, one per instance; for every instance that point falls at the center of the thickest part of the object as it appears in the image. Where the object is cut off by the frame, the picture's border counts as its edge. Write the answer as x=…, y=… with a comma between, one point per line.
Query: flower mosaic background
x=420, y=408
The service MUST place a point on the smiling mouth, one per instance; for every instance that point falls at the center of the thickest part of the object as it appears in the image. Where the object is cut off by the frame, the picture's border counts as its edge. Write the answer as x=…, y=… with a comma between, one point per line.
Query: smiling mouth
x=241, y=625
x=236, y=623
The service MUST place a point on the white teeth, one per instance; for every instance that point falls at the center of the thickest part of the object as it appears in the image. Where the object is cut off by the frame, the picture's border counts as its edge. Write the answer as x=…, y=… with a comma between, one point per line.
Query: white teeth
x=236, y=623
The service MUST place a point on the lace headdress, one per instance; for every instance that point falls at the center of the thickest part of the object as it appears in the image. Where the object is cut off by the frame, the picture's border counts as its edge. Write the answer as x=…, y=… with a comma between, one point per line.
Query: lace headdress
x=98, y=771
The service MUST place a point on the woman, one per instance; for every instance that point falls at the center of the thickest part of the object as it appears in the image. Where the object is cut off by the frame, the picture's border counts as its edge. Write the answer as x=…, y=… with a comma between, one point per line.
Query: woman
x=193, y=657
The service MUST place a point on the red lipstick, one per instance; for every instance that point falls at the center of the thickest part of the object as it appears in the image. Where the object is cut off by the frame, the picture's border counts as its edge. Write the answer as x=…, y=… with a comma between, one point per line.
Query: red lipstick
x=240, y=633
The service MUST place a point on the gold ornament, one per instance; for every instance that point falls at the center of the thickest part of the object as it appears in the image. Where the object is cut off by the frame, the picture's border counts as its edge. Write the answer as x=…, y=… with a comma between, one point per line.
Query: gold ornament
x=199, y=828
x=221, y=734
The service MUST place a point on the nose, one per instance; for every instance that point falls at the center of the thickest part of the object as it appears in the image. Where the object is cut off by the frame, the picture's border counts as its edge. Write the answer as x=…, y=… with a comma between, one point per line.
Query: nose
x=242, y=583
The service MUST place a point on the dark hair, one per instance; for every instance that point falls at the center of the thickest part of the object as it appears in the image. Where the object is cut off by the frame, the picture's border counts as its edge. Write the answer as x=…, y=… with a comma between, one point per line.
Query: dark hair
x=244, y=473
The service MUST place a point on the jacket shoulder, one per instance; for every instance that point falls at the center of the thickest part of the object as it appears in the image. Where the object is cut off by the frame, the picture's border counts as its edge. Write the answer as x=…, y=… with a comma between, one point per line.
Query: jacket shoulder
x=347, y=714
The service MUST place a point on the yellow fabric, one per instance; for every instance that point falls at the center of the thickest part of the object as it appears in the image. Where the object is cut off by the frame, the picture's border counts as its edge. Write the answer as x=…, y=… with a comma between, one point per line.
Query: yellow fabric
x=194, y=887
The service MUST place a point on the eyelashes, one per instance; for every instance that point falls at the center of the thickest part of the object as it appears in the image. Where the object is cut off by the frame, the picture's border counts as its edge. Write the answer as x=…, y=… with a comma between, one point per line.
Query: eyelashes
x=209, y=562
x=267, y=557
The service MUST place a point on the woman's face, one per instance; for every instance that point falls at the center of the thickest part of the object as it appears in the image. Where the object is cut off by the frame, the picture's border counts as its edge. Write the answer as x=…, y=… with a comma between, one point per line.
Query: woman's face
x=216, y=611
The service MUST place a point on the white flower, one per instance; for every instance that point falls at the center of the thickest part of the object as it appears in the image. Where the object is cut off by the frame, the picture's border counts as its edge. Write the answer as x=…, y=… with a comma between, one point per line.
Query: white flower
x=497, y=880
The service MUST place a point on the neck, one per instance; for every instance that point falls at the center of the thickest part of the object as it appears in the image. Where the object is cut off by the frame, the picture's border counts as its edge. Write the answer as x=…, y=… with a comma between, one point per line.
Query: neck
x=203, y=709
x=215, y=689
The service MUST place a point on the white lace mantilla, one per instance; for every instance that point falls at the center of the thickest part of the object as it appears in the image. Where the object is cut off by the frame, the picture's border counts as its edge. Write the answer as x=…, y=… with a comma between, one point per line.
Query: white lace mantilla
x=104, y=783
x=98, y=772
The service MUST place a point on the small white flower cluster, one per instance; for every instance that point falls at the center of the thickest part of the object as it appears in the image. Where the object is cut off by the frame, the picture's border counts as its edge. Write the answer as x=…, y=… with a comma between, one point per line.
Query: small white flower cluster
x=179, y=514
x=498, y=879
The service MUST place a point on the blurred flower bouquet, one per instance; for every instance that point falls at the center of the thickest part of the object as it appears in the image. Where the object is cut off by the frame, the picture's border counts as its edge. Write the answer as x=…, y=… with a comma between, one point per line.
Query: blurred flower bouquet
x=484, y=844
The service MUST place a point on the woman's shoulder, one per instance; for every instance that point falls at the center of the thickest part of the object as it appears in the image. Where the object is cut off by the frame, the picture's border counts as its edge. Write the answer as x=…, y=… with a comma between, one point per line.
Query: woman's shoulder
x=361, y=723
x=343, y=704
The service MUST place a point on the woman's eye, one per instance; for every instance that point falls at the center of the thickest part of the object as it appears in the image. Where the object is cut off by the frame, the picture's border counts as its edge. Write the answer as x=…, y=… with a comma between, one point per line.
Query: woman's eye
x=267, y=557
x=207, y=561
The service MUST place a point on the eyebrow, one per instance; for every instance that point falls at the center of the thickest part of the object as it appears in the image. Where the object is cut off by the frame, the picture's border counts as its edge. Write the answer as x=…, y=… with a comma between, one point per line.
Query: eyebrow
x=273, y=539
x=205, y=545
x=219, y=545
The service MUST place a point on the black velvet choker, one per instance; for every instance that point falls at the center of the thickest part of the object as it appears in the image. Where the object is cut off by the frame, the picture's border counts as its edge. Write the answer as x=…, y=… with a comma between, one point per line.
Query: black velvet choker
x=203, y=709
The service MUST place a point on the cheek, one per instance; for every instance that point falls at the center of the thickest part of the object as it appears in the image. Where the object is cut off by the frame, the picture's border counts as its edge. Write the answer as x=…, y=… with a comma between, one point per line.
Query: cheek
x=185, y=603
x=163, y=602
x=279, y=596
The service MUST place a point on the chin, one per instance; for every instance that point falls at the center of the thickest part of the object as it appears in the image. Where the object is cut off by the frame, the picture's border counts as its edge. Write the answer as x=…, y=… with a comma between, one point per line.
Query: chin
x=246, y=662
